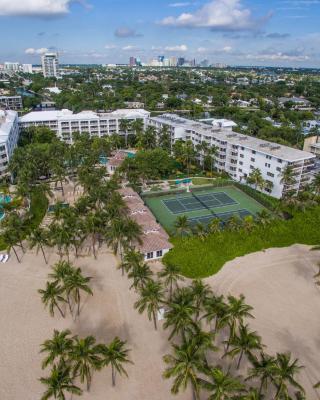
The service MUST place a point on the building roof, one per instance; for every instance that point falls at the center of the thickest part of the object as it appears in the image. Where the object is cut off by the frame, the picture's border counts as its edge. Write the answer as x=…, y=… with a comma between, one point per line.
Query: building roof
x=262, y=146
x=153, y=242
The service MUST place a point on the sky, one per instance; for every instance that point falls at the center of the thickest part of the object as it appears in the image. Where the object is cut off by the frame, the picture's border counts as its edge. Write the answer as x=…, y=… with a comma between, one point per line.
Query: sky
x=235, y=32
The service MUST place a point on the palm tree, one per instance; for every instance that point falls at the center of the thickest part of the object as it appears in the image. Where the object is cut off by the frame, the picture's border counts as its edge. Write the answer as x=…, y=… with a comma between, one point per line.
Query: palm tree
x=255, y=178
x=11, y=239
x=284, y=374
x=59, y=382
x=131, y=259
x=200, y=231
x=263, y=368
x=84, y=357
x=237, y=311
x=213, y=152
x=141, y=275
x=74, y=284
x=234, y=222
x=137, y=126
x=181, y=225
x=287, y=177
x=200, y=292
x=244, y=343
x=171, y=275
x=58, y=348
x=216, y=309
x=116, y=355
x=165, y=138
x=248, y=223
x=151, y=298
x=52, y=296
x=125, y=125
x=179, y=314
x=221, y=385
x=214, y=226
x=184, y=366
x=60, y=272
x=316, y=184
x=39, y=238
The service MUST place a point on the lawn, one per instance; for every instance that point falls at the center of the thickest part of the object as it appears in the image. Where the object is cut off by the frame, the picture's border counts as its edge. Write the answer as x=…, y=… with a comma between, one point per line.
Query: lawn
x=167, y=218
x=199, y=259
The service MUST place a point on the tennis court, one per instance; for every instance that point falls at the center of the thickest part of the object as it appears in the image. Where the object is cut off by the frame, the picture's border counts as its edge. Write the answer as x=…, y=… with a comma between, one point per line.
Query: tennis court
x=182, y=204
x=202, y=205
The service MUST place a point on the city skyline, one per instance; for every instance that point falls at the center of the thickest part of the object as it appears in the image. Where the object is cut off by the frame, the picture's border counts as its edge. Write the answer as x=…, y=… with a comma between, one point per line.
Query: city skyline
x=236, y=32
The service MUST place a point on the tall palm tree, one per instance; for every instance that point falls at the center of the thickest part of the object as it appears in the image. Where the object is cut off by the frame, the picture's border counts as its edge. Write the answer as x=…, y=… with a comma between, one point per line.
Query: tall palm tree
x=215, y=309
x=58, y=348
x=182, y=226
x=180, y=312
x=263, y=368
x=52, y=295
x=171, y=275
x=131, y=259
x=11, y=239
x=244, y=343
x=116, y=355
x=184, y=366
x=200, y=292
x=141, y=275
x=237, y=311
x=59, y=383
x=137, y=126
x=39, y=238
x=214, y=226
x=255, y=178
x=125, y=125
x=287, y=177
x=316, y=184
x=221, y=385
x=85, y=358
x=201, y=231
x=151, y=298
x=74, y=284
x=60, y=272
x=284, y=374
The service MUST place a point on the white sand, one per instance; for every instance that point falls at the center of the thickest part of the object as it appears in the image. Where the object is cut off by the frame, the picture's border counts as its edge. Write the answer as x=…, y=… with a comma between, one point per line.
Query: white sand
x=278, y=283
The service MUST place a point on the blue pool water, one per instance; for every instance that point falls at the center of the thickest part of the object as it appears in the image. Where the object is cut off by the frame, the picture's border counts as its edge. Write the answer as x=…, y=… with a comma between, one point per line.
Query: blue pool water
x=4, y=199
x=103, y=160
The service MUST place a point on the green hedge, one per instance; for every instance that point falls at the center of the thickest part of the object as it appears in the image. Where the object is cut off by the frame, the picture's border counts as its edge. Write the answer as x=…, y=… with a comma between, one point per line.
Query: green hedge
x=199, y=259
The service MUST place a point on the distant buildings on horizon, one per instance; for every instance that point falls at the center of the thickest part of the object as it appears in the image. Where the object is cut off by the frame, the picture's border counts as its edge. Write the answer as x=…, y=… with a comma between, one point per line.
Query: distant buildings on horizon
x=162, y=61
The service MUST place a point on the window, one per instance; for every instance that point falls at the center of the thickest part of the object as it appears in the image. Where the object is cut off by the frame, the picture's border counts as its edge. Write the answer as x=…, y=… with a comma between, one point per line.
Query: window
x=240, y=170
x=242, y=148
x=251, y=167
x=241, y=162
x=253, y=159
x=159, y=253
x=270, y=174
x=279, y=160
x=267, y=165
x=279, y=169
x=241, y=155
x=253, y=152
x=149, y=255
x=268, y=157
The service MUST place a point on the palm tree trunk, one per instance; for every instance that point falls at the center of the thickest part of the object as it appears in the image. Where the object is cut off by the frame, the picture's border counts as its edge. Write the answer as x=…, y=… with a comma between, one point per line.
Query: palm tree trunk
x=69, y=303
x=44, y=256
x=154, y=320
x=19, y=261
x=61, y=312
x=261, y=386
x=94, y=246
x=240, y=358
x=113, y=374
x=78, y=303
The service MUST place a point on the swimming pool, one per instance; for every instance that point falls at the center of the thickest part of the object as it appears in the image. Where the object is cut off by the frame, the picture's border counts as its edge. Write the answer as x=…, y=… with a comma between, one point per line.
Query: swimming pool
x=103, y=160
x=4, y=199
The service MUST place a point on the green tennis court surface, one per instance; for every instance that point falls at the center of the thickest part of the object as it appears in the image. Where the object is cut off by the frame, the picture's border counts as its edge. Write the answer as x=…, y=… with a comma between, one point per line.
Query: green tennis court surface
x=202, y=206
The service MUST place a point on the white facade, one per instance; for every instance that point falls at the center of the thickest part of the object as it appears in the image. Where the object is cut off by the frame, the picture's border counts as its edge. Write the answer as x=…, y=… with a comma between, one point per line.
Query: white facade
x=9, y=135
x=64, y=123
x=27, y=68
x=11, y=66
x=50, y=65
x=239, y=154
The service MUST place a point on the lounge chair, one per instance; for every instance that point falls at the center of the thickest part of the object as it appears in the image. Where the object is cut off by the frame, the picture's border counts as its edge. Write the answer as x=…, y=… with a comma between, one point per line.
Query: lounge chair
x=2, y=256
x=5, y=259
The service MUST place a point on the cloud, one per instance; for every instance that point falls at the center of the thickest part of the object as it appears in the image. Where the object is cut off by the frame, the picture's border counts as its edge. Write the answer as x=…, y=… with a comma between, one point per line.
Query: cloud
x=34, y=52
x=125, y=32
x=38, y=8
x=179, y=48
x=130, y=48
x=182, y=4
x=110, y=46
x=278, y=56
x=277, y=35
x=217, y=15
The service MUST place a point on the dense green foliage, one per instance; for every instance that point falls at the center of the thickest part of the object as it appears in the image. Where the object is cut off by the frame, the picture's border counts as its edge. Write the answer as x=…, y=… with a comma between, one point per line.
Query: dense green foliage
x=197, y=258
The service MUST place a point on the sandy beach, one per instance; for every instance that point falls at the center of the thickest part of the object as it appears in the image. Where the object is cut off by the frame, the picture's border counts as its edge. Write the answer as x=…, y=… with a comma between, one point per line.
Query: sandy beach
x=278, y=283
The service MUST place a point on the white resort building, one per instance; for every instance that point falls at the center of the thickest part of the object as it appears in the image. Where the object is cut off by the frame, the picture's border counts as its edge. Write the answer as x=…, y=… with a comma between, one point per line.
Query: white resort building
x=239, y=154
x=9, y=135
x=64, y=123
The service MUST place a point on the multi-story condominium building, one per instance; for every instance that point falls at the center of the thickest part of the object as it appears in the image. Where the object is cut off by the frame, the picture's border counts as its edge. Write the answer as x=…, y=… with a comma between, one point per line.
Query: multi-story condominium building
x=64, y=123
x=11, y=66
x=239, y=154
x=50, y=65
x=9, y=135
x=27, y=68
x=11, y=102
x=312, y=144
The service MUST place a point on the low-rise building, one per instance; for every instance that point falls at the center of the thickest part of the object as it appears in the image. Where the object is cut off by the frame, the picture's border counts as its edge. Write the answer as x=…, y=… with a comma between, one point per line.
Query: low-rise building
x=11, y=102
x=64, y=123
x=312, y=144
x=154, y=240
x=9, y=135
x=239, y=154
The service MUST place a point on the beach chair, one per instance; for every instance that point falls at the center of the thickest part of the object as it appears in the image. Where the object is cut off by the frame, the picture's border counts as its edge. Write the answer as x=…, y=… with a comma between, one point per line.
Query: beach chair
x=5, y=259
x=1, y=257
